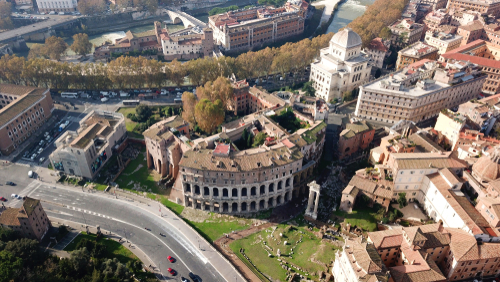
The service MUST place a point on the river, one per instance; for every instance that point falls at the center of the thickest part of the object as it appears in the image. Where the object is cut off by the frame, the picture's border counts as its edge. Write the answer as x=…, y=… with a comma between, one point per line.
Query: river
x=98, y=39
x=347, y=12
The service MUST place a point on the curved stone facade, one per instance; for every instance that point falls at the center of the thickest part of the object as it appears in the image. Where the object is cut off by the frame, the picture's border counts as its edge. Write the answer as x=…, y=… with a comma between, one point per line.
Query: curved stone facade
x=244, y=182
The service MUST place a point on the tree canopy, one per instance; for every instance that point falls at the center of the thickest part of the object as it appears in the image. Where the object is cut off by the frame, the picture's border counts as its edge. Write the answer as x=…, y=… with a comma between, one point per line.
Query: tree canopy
x=209, y=115
x=81, y=44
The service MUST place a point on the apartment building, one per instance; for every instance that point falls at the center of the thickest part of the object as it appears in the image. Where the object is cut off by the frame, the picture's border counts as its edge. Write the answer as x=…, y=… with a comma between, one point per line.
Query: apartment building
x=470, y=32
x=414, y=53
x=450, y=124
x=405, y=32
x=443, y=41
x=30, y=220
x=485, y=7
x=356, y=136
x=84, y=152
x=341, y=67
x=414, y=96
x=463, y=17
x=483, y=54
x=377, y=50
x=482, y=116
x=379, y=191
x=358, y=261
x=434, y=253
x=165, y=145
x=184, y=44
x=435, y=19
x=250, y=28
x=47, y=6
x=23, y=110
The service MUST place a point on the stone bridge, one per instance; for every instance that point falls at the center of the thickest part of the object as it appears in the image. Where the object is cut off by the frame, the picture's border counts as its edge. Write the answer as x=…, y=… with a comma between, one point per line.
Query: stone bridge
x=189, y=21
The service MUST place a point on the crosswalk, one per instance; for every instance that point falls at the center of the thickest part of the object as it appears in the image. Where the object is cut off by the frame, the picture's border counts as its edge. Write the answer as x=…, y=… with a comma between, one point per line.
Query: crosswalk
x=15, y=203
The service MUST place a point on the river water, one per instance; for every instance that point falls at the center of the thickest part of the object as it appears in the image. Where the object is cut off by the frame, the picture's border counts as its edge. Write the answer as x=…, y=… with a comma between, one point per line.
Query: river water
x=347, y=12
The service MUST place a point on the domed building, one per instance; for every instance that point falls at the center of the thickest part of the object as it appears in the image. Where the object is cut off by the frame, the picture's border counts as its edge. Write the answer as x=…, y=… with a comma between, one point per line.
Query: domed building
x=341, y=66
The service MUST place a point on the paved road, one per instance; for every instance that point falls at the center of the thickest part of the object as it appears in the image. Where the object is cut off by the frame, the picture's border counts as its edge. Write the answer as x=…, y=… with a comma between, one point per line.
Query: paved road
x=129, y=219
x=52, y=21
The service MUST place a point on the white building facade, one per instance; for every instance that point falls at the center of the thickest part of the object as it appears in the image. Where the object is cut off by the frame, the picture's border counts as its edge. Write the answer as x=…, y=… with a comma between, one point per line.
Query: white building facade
x=341, y=66
x=57, y=5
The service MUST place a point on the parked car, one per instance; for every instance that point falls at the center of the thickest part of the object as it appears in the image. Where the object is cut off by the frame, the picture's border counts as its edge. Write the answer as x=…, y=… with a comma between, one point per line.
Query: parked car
x=171, y=271
x=10, y=183
x=42, y=159
x=14, y=196
x=104, y=100
x=66, y=122
x=40, y=150
x=171, y=259
x=183, y=279
x=3, y=199
x=192, y=276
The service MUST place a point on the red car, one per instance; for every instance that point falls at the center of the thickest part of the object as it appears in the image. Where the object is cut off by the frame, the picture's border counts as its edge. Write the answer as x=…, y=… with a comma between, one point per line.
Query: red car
x=171, y=259
x=5, y=200
x=171, y=271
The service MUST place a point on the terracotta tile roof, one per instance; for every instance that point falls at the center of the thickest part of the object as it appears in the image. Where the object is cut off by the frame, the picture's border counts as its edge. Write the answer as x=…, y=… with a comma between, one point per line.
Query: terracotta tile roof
x=376, y=188
x=427, y=272
x=485, y=62
x=378, y=237
x=424, y=144
x=467, y=47
x=475, y=25
x=159, y=131
x=240, y=161
x=424, y=160
x=9, y=217
x=26, y=97
x=377, y=44
x=365, y=260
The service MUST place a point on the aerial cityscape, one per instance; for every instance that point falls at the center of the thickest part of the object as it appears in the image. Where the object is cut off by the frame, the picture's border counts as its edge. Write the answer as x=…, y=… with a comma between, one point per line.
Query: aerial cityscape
x=249, y=140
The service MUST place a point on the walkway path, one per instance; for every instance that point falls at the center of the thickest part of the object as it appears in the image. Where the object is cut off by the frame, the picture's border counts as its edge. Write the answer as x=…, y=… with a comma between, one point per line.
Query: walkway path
x=327, y=12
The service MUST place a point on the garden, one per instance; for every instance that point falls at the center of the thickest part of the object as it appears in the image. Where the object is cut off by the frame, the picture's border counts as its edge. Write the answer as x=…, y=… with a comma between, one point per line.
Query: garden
x=279, y=252
x=139, y=118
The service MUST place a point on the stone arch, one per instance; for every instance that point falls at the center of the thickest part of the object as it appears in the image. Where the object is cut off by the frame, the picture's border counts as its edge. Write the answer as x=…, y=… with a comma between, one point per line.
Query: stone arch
x=206, y=191
x=243, y=207
x=262, y=204
x=270, y=202
x=287, y=182
x=278, y=200
x=215, y=192
x=271, y=187
x=296, y=193
x=253, y=206
x=234, y=193
x=225, y=192
x=262, y=189
x=234, y=207
x=197, y=190
x=187, y=187
x=244, y=192
x=225, y=207
x=253, y=191
x=216, y=207
x=296, y=178
x=287, y=196
x=280, y=185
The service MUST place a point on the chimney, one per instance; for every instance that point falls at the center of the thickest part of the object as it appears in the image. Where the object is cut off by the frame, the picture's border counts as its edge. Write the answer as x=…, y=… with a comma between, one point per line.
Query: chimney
x=412, y=262
x=441, y=227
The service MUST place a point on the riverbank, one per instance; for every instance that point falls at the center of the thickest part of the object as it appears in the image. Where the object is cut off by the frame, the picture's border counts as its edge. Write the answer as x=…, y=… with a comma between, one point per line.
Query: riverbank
x=330, y=6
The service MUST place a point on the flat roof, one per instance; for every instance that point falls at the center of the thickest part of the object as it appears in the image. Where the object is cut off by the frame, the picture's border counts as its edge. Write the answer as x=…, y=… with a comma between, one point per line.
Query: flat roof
x=26, y=97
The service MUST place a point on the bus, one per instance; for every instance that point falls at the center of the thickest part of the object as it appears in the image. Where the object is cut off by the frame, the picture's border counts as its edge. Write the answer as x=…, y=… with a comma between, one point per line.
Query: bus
x=71, y=95
x=131, y=102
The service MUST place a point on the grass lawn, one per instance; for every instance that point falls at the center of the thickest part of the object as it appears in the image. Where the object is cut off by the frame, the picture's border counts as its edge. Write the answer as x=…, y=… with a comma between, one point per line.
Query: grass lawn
x=361, y=217
x=113, y=248
x=213, y=229
x=129, y=124
x=137, y=172
x=311, y=254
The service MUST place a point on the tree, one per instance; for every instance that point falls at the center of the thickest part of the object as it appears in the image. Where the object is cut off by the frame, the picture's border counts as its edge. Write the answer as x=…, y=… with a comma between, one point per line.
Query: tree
x=55, y=47
x=7, y=234
x=9, y=265
x=26, y=249
x=143, y=113
x=385, y=33
x=169, y=112
x=309, y=89
x=220, y=89
x=81, y=44
x=402, y=200
x=378, y=73
x=347, y=96
x=177, y=72
x=5, y=18
x=259, y=139
x=189, y=104
x=89, y=7
x=80, y=259
x=209, y=115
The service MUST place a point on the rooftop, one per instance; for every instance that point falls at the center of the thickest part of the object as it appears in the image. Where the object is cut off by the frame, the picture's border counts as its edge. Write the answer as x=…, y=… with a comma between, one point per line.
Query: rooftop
x=26, y=97
x=159, y=131
x=9, y=217
x=418, y=49
x=426, y=160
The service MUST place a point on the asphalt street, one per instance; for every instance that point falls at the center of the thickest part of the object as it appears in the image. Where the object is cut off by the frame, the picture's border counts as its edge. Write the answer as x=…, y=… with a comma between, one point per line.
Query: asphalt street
x=129, y=221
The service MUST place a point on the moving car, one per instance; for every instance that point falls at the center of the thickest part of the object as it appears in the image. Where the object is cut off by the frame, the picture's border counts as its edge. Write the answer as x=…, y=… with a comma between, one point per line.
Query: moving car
x=183, y=279
x=10, y=183
x=171, y=259
x=192, y=276
x=3, y=199
x=171, y=271
x=15, y=196
x=30, y=174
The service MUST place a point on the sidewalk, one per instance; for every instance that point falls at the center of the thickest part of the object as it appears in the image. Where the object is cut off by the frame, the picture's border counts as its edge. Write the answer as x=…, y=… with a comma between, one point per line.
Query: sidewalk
x=126, y=243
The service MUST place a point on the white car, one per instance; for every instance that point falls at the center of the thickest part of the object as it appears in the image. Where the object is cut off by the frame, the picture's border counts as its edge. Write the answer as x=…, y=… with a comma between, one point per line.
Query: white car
x=149, y=91
x=104, y=93
x=163, y=92
x=42, y=159
x=46, y=133
x=177, y=89
x=104, y=100
x=66, y=122
x=41, y=142
x=14, y=196
x=40, y=150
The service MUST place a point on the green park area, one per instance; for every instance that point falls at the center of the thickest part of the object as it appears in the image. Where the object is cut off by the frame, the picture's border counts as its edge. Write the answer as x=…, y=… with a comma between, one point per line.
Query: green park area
x=364, y=218
x=304, y=252
x=138, y=119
